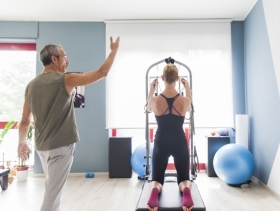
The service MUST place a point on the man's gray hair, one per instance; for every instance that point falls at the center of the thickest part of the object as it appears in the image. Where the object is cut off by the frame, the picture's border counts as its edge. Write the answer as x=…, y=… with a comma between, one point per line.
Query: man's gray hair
x=47, y=52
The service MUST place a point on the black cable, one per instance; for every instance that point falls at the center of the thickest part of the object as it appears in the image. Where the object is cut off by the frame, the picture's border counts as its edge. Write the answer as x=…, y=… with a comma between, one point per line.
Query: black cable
x=145, y=111
x=192, y=111
x=156, y=92
x=196, y=161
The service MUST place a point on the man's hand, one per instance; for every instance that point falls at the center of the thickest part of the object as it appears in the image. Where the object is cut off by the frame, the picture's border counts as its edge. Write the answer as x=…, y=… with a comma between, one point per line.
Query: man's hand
x=114, y=45
x=23, y=150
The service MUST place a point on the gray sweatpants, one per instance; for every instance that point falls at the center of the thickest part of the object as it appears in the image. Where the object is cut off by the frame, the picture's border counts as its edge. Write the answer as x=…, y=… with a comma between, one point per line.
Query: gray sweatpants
x=56, y=165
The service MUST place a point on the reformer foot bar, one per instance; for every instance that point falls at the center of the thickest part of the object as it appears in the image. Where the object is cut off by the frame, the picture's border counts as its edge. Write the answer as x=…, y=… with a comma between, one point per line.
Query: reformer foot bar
x=170, y=198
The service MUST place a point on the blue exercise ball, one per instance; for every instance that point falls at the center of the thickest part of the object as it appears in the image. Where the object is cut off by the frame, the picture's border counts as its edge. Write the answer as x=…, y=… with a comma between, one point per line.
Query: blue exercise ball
x=234, y=164
x=138, y=160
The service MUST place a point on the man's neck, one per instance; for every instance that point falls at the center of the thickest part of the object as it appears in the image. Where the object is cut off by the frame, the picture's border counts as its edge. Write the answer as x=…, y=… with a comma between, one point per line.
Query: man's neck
x=49, y=69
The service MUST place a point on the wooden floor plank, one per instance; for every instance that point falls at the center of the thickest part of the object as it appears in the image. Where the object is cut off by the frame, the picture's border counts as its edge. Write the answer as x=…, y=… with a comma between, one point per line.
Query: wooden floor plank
x=122, y=194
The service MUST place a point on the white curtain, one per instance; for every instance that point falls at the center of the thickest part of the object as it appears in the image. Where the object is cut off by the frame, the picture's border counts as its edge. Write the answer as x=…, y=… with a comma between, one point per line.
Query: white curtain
x=205, y=47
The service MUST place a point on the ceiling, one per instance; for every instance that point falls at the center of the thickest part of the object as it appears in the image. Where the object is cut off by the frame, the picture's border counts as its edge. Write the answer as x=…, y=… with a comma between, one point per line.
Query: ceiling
x=102, y=10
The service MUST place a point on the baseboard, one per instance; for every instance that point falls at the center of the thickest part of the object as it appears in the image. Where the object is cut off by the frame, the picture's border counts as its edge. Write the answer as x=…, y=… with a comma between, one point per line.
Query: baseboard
x=96, y=174
x=80, y=174
x=255, y=180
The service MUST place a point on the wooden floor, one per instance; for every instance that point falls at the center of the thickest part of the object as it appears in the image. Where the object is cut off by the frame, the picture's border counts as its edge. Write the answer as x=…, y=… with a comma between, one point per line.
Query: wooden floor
x=101, y=193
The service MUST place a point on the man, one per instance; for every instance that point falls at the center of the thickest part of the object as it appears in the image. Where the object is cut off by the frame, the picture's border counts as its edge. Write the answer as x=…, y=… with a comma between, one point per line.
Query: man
x=49, y=98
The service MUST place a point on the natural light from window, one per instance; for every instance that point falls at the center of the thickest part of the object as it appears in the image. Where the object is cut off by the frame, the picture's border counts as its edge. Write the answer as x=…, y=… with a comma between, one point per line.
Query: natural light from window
x=17, y=68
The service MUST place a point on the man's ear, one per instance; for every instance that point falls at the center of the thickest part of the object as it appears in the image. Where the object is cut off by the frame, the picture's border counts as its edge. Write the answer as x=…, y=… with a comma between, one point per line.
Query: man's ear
x=54, y=59
x=162, y=77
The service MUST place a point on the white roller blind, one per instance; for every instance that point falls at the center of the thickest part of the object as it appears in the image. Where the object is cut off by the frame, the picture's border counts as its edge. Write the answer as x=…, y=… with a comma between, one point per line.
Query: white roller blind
x=204, y=47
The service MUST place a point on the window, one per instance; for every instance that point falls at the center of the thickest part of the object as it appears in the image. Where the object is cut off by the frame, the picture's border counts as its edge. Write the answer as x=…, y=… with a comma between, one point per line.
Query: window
x=17, y=68
x=205, y=47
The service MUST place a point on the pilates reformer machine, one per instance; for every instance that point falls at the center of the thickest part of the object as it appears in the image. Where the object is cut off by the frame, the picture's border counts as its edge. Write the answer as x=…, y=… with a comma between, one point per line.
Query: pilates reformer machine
x=170, y=197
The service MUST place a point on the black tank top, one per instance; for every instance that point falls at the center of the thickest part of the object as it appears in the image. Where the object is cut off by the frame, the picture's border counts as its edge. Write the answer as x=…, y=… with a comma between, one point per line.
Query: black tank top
x=170, y=125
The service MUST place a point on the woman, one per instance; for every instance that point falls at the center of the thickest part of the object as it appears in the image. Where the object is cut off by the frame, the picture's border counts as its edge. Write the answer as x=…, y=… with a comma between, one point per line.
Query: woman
x=170, y=108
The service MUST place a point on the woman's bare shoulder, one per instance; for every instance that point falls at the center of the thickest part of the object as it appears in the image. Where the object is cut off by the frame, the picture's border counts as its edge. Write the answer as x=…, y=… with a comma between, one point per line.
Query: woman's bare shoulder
x=183, y=100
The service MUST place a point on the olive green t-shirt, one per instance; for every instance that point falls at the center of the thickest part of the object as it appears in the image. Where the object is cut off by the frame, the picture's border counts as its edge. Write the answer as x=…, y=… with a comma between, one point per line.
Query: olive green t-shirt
x=53, y=111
